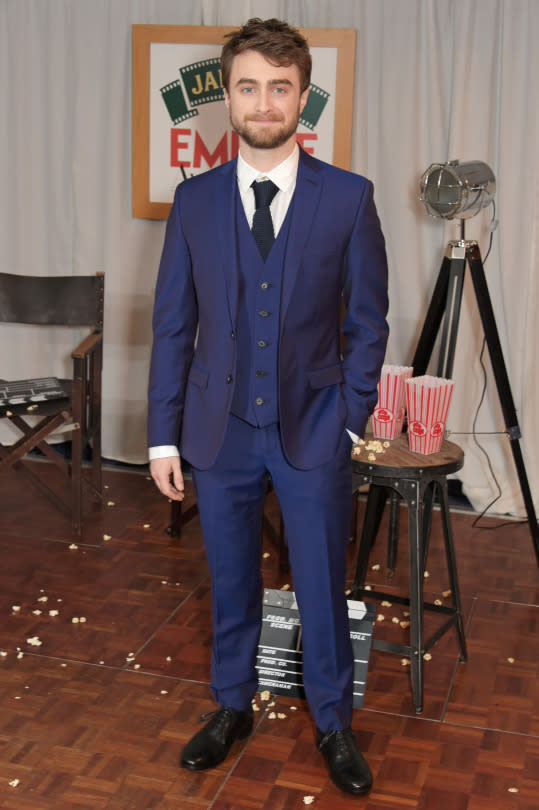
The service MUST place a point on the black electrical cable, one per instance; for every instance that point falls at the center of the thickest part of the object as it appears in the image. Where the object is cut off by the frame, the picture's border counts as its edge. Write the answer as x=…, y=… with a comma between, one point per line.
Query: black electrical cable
x=474, y=433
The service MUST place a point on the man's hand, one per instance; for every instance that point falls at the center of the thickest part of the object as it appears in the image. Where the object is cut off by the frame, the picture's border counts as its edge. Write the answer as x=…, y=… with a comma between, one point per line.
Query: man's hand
x=167, y=474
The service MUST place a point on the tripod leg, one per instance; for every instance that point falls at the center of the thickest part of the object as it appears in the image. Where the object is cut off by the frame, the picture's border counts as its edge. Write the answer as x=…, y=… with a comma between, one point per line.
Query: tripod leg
x=502, y=381
x=433, y=319
x=455, y=284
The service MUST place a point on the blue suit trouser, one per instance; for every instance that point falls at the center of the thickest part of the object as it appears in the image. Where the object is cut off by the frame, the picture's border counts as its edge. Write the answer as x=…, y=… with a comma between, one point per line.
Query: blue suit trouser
x=316, y=507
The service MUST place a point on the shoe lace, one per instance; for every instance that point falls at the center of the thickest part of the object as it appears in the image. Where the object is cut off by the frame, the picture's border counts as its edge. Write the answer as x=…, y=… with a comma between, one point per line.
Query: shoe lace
x=344, y=741
x=221, y=718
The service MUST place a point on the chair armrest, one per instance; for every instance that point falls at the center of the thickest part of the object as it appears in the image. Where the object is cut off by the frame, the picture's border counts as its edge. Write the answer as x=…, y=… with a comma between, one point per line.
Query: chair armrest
x=88, y=345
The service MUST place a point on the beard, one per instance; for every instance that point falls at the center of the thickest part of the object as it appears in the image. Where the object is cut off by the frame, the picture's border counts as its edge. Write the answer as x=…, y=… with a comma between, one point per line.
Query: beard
x=259, y=138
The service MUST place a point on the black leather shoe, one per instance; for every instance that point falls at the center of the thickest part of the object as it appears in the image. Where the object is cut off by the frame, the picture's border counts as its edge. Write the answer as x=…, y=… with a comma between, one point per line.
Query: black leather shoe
x=212, y=743
x=347, y=767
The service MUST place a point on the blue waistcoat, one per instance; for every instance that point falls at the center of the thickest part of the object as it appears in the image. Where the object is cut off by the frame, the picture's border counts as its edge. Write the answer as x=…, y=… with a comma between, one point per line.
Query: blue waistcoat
x=259, y=311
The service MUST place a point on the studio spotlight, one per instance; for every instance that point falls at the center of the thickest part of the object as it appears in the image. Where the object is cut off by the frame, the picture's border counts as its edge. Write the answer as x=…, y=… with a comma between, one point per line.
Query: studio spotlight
x=450, y=190
x=454, y=189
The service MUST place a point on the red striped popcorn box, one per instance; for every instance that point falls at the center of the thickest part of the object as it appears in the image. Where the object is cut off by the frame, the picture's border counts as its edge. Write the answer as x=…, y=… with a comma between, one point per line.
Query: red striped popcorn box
x=388, y=416
x=427, y=400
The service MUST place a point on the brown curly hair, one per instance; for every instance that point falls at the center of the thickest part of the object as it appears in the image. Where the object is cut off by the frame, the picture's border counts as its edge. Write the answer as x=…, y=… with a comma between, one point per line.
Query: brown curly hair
x=278, y=42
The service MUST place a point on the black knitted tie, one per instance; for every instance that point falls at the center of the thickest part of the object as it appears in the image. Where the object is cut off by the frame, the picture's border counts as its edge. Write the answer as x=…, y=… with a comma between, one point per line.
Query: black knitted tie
x=262, y=228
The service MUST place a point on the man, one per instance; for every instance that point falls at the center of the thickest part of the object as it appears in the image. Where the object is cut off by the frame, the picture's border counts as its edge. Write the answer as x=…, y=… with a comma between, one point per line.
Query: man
x=247, y=379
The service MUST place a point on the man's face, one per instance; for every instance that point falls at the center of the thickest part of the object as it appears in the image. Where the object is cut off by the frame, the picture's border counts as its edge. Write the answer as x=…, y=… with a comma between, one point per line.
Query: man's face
x=264, y=100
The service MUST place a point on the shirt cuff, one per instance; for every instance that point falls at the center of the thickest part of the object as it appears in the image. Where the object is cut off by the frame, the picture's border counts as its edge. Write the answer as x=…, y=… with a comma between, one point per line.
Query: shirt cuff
x=353, y=436
x=163, y=451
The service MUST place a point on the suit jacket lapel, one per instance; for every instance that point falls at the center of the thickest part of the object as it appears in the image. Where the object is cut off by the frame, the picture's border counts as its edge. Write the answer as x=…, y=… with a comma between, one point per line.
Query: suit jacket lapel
x=305, y=201
x=227, y=243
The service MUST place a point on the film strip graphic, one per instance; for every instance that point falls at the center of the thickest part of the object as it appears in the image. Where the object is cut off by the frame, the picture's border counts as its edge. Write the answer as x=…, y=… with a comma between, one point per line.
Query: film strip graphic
x=316, y=103
x=175, y=101
x=200, y=83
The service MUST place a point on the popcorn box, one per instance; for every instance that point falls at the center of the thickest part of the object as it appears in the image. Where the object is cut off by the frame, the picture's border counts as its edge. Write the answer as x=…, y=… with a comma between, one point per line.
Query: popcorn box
x=388, y=416
x=427, y=400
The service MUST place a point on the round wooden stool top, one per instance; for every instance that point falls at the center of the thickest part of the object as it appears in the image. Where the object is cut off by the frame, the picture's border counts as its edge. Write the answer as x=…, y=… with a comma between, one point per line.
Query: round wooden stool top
x=398, y=461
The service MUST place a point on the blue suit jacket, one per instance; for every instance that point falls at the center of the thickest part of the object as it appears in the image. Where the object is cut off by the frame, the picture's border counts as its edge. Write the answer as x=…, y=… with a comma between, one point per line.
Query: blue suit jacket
x=335, y=256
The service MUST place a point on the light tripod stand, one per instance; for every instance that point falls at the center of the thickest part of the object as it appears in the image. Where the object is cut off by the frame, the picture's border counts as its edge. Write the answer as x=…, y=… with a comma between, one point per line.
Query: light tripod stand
x=446, y=302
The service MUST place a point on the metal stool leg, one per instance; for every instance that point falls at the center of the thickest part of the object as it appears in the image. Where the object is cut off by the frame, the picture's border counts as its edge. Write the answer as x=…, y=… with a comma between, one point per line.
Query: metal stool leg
x=393, y=535
x=178, y=518
x=428, y=503
x=452, y=565
x=373, y=514
x=355, y=510
x=284, y=562
x=174, y=529
x=414, y=499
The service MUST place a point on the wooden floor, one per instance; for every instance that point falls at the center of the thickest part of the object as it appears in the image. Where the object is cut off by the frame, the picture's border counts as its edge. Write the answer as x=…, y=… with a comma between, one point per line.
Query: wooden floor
x=94, y=714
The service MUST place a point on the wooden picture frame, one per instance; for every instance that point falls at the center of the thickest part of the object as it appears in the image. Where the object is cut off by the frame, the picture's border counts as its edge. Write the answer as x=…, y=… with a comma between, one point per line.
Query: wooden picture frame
x=341, y=40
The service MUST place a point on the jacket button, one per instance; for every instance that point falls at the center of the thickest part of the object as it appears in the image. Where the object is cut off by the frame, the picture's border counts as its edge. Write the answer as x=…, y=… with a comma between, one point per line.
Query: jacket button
x=259, y=401
x=229, y=379
x=264, y=285
x=260, y=373
x=263, y=313
x=262, y=344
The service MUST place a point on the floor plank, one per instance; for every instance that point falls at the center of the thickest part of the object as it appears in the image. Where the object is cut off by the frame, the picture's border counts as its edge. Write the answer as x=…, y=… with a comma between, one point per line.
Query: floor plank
x=95, y=716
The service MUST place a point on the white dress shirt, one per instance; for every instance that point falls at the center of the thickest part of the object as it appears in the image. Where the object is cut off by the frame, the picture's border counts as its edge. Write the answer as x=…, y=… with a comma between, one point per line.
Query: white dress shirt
x=284, y=176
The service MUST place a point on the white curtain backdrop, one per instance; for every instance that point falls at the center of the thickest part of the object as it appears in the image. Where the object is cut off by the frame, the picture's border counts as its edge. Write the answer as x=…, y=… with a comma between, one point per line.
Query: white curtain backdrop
x=435, y=80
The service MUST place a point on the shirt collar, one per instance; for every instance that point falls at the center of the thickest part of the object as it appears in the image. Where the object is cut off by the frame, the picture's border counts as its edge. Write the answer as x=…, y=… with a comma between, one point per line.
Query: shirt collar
x=283, y=175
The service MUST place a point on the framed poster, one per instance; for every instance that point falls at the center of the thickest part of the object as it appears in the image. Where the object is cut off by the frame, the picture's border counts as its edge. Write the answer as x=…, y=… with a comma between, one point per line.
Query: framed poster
x=180, y=122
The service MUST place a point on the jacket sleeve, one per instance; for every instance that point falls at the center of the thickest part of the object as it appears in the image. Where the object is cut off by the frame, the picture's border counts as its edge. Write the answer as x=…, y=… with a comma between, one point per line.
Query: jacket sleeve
x=365, y=329
x=174, y=330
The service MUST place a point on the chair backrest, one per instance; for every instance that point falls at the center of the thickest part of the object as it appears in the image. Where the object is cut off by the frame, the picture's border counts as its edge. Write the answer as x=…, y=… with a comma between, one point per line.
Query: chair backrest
x=52, y=300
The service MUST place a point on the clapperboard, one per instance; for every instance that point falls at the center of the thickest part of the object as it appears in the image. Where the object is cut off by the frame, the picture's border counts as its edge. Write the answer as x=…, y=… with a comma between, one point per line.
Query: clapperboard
x=280, y=655
x=27, y=392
